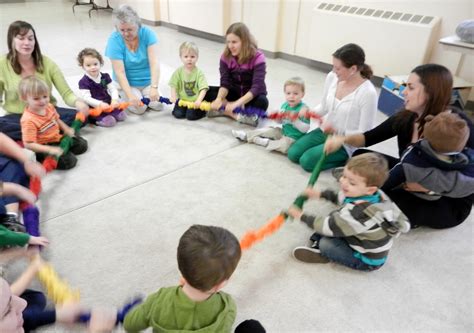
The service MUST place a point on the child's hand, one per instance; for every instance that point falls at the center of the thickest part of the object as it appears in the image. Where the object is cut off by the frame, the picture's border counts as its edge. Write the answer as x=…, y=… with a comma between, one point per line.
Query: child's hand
x=114, y=104
x=22, y=193
x=69, y=132
x=36, y=262
x=295, y=212
x=104, y=106
x=197, y=104
x=68, y=313
x=102, y=320
x=42, y=241
x=56, y=151
x=312, y=193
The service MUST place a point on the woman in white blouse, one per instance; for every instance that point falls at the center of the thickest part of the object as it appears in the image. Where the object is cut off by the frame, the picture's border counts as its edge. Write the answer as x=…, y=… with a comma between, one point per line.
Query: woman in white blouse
x=349, y=105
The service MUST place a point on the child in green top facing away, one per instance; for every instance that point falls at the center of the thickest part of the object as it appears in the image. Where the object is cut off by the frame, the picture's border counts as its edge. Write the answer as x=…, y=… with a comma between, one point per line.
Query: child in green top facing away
x=280, y=139
x=188, y=83
x=207, y=257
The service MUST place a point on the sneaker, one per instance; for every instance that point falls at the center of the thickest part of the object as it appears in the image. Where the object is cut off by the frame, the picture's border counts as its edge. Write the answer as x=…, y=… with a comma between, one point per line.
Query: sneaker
x=10, y=221
x=107, y=121
x=261, y=141
x=248, y=120
x=337, y=172
x=239, y=135
x=214, y=114
x=309, y=255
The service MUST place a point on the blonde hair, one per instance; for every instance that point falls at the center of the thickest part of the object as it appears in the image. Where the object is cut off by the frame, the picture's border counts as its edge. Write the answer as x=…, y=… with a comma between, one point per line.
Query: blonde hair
x=32, y=86
x=249, y=45
x=188, y=46
x=371, y=166
x=295, y=81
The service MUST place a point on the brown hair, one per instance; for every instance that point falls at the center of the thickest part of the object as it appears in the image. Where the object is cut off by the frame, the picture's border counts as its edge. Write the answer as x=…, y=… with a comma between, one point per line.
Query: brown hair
x=207, y=256
x=32, y=86
x=353, y=54
x=21, y=28
x=446, y=132
x=371, y=166
x=438, y=84
x=249, y=45
x=89, y=52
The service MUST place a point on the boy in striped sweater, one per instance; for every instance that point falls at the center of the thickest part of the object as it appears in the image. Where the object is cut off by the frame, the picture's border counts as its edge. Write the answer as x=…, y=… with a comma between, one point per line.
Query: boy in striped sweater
x=360, y=232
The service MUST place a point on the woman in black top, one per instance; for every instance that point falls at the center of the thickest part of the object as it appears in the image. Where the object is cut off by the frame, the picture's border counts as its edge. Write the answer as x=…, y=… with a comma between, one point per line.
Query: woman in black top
x=428, y=92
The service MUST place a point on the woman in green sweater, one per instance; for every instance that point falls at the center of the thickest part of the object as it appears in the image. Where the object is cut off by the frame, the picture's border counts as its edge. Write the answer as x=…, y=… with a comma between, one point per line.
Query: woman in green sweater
x=23, y=59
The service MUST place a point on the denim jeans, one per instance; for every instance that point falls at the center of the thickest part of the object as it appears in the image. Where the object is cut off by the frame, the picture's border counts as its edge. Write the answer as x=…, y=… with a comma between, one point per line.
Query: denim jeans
x=338, y=250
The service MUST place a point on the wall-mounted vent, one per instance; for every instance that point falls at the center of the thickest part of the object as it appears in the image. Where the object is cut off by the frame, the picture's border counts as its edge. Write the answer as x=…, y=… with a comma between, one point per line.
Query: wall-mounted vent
x=394, y=42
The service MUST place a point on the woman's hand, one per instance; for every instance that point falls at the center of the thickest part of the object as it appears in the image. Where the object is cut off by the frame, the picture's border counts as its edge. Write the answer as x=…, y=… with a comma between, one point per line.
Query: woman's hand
x=414, y=187
x=82, y=107
x=231, y=106
x=135, y=101
x=154, y=95
x=40, y=240
x=311, y=193
x=333, y=143
x=34, y=169
x=216, y=104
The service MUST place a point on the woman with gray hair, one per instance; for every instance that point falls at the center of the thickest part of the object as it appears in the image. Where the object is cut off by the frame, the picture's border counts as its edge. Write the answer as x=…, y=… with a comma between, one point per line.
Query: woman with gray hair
x=133, y=52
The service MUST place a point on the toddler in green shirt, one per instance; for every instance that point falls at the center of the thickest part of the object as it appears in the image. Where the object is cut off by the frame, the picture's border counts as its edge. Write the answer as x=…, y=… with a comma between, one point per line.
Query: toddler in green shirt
x=294, y=126
x=207, y=257
x=188, y=84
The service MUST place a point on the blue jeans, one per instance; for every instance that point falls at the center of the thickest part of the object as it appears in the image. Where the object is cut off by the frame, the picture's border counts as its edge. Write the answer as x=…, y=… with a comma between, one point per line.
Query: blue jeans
x=338, y=250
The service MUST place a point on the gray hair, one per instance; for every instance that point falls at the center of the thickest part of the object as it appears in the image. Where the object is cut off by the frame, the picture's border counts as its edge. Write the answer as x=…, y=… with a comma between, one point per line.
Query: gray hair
x=126, y=14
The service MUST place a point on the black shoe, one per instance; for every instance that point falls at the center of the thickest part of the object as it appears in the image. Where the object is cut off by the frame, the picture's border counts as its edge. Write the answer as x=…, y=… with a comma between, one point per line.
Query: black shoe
x=11, y=222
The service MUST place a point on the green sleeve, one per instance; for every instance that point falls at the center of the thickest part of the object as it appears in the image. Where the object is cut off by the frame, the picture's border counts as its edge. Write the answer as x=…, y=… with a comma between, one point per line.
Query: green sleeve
x=58, y=80
x=138, y=319
x=8, y=238
x=202, y=82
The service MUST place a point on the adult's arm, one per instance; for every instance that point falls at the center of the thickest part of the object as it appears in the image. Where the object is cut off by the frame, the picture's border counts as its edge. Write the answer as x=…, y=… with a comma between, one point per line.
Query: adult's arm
x=9, y=148
x=152, y=52
x=58, y=80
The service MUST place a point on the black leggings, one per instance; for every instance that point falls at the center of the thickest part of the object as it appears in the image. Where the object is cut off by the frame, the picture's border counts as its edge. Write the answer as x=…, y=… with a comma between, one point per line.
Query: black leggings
x=439, y=214
x=259, y=101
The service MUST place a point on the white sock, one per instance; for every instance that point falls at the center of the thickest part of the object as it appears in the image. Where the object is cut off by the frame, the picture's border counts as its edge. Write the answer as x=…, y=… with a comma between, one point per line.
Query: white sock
x=239, y=134
x=261, y=141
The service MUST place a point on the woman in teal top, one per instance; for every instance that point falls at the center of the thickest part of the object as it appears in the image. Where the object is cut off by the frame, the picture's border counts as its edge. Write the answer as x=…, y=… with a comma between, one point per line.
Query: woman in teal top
x=133, y=51
x=23, y=59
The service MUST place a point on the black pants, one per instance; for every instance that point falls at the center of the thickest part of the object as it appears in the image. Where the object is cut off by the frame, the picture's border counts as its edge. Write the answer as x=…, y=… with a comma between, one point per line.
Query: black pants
x=68, y=160
x=10, y=124
x=181, y=112
x=258, y=102
x=439, y=214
